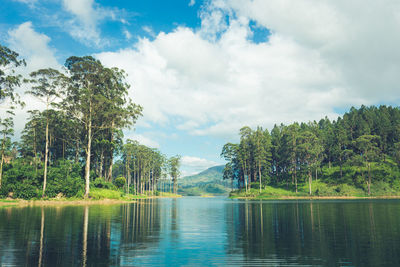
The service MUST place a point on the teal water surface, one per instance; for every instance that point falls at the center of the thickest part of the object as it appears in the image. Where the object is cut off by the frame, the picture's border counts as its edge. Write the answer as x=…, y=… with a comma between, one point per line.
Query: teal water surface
x=193, y=231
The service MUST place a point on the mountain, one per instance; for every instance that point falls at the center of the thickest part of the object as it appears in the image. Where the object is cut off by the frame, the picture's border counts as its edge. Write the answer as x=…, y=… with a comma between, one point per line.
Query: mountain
x=207, y=182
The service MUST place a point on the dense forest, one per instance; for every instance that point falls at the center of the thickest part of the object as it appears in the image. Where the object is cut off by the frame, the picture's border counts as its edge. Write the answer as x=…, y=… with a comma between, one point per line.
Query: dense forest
x=75, y=142
x=360, y=150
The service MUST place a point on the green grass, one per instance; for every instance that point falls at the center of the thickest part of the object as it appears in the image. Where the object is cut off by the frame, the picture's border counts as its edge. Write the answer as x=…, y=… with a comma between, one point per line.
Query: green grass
x=318, y=189
x=101, y=193
x=8, y=200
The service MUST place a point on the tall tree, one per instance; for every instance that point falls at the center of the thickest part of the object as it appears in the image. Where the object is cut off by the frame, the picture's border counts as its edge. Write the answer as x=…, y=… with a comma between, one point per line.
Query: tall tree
x=6, y=131
x=368, y=146
x=9, y=61
x=174, y=164
x=83, y=98
x=46, y=86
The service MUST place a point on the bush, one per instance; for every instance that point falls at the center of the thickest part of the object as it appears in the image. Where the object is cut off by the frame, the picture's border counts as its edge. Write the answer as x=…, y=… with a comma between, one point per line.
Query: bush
x=101, y=183
x=120, y=182
x=64, y=177
x=26, y=190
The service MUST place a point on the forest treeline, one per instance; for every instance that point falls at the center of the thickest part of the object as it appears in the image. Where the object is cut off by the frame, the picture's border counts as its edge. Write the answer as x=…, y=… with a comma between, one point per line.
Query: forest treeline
x=360, y=149
x=76, y=141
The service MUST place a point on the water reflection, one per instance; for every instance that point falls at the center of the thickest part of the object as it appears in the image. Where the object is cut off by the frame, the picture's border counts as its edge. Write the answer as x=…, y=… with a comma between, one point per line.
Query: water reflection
x=356, y=233
x=199, y=232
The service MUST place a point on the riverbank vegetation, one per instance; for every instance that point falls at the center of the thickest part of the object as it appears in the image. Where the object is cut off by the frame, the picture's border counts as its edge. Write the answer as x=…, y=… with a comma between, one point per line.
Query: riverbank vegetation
x=356, y=155
x=74, y=146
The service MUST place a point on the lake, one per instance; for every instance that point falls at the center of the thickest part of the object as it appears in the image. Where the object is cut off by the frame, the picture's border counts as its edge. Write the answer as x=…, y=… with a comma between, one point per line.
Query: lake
x=194, y=231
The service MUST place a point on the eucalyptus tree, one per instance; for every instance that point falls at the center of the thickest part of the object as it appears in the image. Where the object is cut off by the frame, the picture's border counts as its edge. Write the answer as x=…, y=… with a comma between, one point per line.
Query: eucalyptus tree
x=46, y=85
x=174, y=164
x=262, y=150
x=6, y=131
x=232, y=168
x=292, y=133
x=309, y=148
x=97, y=97
x=245, y=156
x=369, y=148
x=83, y=98
x=9, y=80
x=118, y=109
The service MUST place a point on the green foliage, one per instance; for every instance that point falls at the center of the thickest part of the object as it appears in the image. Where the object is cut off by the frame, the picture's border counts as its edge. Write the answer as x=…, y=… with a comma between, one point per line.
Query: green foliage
x=120, y=182
x=101, y=193
x=360, y=150
x=101, y=183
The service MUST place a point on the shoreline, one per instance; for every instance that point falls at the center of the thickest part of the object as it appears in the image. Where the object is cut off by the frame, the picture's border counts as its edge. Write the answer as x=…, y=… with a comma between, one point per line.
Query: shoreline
x=72, y=202
x=315, y=197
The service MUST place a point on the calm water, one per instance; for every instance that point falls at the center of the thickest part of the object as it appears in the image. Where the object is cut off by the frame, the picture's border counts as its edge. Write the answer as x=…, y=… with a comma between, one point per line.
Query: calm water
x=204, y=231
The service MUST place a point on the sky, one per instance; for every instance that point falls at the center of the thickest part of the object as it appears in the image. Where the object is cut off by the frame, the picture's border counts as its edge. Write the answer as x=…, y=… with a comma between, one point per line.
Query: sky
x=203, y=69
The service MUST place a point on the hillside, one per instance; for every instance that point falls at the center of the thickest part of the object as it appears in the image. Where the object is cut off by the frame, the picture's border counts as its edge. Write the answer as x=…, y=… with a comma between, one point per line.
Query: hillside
x=207, y=182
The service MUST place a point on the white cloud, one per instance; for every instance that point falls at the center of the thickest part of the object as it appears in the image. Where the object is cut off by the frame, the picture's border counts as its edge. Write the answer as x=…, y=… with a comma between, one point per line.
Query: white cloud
x=192, y=165
x=144, y=140
x=149, y=31
x=127, y=34
x=87, y=16
x=28, y=2
x=34, y=48
x=321, y=55
x=192, y=2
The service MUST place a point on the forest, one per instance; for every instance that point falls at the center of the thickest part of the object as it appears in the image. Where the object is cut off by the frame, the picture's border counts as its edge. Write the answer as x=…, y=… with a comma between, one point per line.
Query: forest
x=74, y=146
x=358, y=154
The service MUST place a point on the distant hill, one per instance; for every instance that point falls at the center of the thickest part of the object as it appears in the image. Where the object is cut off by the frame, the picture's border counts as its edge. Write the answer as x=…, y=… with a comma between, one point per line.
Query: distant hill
x=207, y=182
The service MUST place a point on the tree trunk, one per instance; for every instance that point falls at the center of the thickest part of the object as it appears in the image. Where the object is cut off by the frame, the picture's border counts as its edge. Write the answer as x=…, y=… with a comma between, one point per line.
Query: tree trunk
x=259, y=174
x=369, y=178
x=245, y=181
x=175, y=186
x=101, y=163
x=2, y=160
x=295, y=177
x=46, y=152
x=88, y=152
x=128, y=174
x=316, y=173
x=111, y=153
x=309, y=181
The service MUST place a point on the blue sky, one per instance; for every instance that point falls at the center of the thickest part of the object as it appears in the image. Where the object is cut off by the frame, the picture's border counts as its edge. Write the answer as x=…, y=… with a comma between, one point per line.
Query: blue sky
x=203, y=69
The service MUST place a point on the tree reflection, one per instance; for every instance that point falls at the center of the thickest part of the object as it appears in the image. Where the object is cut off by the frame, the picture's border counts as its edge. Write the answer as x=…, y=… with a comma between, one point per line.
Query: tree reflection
x=312, y=232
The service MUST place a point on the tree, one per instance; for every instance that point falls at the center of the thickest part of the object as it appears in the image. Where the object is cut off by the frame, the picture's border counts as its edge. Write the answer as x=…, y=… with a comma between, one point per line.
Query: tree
x=8, y=79
x=310, y=149
x=6, y=131
x=118, y=110
x=83, y=98
x=368, y=146
x=292, y=133
x=262, y=150
x=230, y=154
x=46, y=86
x=174, y=164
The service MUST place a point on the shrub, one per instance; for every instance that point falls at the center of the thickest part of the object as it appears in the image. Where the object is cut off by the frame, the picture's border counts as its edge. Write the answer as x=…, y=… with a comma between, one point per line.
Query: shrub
x=101, y=183
x=120, y=182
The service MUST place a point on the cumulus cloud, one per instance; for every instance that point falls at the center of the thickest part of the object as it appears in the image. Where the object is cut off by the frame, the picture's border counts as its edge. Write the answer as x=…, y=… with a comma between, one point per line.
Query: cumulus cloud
x=32, y=46
x=35, y=49
x=192, y=2
x=320, y=56
x=87, y=15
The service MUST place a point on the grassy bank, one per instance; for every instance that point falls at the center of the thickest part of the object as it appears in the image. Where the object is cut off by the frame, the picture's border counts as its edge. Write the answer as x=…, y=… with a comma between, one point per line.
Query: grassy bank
x=98, y=196
x=320, y=190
